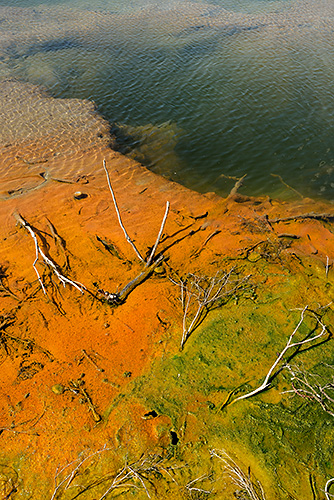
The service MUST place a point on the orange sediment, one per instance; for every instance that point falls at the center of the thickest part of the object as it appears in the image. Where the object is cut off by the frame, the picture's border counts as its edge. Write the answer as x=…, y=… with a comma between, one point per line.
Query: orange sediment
x=56, y=349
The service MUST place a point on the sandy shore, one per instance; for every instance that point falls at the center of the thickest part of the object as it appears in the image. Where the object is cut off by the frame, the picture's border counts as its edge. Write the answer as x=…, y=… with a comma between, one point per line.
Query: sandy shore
x=73, y=366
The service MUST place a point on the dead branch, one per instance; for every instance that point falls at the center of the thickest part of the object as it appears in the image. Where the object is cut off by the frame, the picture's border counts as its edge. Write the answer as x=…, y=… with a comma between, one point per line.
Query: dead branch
x=289, y=345
x=120, y=297
x=39, y=252
x=203, y=245
x=193, y=486
x=309, y=386
x=237, y=186
x=238, y=477
x=287, y=185
x=149, y=260
x=77, y=387
x=200, y=293
x=134, y=475
x=32, y=422
x=127, y=237
x=72, y=472
x=327, y=266
x=310, y=215
x=91, y=361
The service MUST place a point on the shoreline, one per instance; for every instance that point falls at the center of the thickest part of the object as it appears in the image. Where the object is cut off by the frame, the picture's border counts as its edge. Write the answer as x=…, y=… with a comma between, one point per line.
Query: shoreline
x=127, y=358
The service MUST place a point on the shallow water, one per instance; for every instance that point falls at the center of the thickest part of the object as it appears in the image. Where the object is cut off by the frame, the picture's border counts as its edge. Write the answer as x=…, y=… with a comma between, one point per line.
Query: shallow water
x=201, y=92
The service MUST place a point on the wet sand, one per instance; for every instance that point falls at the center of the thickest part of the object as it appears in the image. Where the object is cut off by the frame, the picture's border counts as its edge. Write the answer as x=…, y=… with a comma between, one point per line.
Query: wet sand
x=73, y=366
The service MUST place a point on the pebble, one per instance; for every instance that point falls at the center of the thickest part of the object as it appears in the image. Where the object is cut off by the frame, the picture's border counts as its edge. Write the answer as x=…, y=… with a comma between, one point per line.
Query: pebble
x=58, y=389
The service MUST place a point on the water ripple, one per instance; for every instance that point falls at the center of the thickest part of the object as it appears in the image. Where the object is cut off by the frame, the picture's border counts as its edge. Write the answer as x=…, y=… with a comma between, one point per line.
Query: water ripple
x=197, y=90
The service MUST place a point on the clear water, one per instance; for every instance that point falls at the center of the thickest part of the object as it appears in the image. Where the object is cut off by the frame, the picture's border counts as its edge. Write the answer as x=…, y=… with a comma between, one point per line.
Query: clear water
x=201, y=92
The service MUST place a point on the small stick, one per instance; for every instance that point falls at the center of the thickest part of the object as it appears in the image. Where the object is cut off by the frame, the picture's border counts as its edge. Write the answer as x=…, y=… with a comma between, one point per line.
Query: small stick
x=287, y=185
x=91, y=361
x=33, y=235
x=127, y=237
x=327, y=266
x=159, y=235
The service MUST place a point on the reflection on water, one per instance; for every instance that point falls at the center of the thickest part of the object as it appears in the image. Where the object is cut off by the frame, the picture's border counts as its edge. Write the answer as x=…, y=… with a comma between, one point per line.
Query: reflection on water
x=246, y=87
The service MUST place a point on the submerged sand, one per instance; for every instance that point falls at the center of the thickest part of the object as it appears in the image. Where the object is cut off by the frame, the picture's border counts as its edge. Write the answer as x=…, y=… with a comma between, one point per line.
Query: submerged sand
x=78, y=373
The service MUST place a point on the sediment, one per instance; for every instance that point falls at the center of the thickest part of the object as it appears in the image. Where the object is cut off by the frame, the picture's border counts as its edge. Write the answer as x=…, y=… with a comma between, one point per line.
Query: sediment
x=78, y=372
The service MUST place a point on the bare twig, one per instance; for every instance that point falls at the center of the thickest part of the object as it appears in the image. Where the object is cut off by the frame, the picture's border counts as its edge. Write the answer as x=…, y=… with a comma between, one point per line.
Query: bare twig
x=127, y=237
x=47, y=260
x=193, y=486
x=327, y=266
x=308, y=386
x=199, y=293
x=72, y=472
x=134, y=475
x=238, y=477
x=149, y=260
x=91, y=361
x=290, y=344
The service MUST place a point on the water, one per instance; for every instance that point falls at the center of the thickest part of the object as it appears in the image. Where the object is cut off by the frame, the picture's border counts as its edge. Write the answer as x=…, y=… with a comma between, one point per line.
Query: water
x=201, y=92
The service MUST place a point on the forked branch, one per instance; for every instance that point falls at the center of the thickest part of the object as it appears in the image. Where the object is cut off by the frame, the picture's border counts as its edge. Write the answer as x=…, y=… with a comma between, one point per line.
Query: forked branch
x=200, y=293
x=289, y=345
x=39, y=252
x=310, y=386
x=127, y=237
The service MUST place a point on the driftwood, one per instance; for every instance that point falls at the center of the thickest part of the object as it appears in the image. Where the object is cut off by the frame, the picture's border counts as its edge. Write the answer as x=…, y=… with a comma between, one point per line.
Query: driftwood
x=310, y=215
x=127, y=237
x=150, y=264
x=290, y=344
x=236, y=186
x=39, y=252
x=120, y=297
